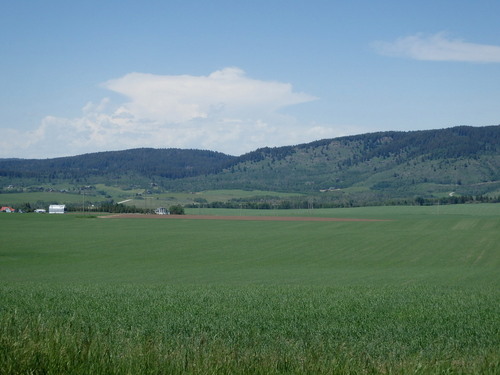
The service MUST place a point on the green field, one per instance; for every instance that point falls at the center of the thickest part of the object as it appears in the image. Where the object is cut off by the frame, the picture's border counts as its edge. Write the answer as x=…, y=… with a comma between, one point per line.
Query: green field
x=417, y=293
x=140, y=198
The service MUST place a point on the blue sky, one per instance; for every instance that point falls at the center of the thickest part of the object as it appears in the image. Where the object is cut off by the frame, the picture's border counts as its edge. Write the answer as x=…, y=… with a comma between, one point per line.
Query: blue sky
x=232, y=76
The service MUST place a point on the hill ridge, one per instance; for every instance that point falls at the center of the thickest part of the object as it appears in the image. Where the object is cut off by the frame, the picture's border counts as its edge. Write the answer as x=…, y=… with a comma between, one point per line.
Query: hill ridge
x=379, y=164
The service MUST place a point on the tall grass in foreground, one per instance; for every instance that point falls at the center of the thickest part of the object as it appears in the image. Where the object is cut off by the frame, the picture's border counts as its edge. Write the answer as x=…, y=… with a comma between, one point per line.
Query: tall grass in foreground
x=418, y=293
x=138, y=329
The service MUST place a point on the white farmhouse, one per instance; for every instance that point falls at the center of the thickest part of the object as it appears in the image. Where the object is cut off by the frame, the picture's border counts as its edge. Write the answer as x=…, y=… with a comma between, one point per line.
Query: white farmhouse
x=162, y=211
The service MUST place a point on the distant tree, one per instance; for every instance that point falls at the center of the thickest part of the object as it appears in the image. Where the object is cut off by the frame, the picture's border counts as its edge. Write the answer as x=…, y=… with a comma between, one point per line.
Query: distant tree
x=420, y=201
x=176, y=209
x=25, y=207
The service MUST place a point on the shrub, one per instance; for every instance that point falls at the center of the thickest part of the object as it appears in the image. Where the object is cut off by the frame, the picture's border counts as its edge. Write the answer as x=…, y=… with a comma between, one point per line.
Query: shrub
x=176, y=210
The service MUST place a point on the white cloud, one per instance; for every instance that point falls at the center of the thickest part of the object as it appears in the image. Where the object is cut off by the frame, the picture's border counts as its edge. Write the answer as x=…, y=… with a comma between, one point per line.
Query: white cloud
x=177, y=99
x=224, y=111
x=439, y=47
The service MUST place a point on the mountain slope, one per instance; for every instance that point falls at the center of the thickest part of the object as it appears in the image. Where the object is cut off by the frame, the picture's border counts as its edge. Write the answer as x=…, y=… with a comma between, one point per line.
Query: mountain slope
x=147, y=162
x=463, y=160
x=385, y=163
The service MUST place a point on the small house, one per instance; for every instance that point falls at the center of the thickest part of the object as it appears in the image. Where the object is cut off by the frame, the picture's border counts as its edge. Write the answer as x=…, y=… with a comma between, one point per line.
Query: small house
x=57, y=208
x=7, y=209
x=162, y=211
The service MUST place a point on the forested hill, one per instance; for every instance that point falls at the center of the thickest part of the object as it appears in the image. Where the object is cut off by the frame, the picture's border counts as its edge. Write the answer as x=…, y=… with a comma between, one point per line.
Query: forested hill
x=464, y=159
x=461, y=141
x=148, y=162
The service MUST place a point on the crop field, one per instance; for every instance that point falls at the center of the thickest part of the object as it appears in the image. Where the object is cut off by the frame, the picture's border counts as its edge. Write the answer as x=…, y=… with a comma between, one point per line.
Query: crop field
x=416, y=292
x=132, y=197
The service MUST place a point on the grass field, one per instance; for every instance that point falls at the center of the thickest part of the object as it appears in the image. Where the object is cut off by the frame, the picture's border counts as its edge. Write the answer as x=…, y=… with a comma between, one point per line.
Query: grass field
x=134, y=197
x=418, y=293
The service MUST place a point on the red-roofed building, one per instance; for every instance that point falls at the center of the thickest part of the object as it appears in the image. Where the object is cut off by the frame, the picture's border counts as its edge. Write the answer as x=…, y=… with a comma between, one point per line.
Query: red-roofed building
x=7, y=209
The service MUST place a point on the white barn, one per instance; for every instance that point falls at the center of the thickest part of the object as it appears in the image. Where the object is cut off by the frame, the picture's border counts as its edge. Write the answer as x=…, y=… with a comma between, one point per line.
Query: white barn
x=57, y=208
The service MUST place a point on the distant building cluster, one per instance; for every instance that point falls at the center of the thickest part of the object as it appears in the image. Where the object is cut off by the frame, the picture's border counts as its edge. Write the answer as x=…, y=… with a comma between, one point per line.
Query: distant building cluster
x=53, y=209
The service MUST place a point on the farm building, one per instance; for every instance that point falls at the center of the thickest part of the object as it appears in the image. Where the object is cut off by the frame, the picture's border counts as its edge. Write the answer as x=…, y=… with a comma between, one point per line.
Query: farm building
x=40, y=211
x=7, y=209
x=57, y=208
x=162, y=211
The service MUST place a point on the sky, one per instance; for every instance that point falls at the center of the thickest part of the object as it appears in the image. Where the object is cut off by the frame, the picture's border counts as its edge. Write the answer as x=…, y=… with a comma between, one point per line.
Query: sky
x=232, y=76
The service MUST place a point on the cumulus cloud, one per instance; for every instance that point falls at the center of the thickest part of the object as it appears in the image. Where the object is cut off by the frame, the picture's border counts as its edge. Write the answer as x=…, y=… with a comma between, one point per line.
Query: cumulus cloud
x=175, y=99
x=224, y=111
x=439, y=47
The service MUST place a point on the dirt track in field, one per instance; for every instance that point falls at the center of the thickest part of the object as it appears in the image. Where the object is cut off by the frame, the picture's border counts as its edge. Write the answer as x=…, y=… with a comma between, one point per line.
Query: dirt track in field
x=247, y=218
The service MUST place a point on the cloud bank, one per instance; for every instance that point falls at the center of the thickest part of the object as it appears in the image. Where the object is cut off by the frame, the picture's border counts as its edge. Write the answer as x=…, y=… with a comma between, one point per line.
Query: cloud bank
x=439, y=47
x=224, y=111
